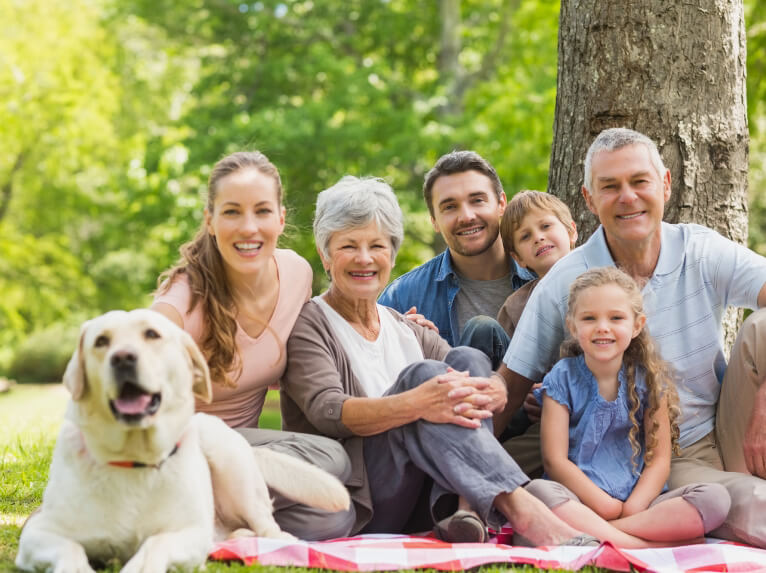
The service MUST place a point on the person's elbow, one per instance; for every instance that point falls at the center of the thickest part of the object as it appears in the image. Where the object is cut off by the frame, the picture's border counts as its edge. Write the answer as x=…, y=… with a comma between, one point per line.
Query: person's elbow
x=325, y=416
x=762, y=297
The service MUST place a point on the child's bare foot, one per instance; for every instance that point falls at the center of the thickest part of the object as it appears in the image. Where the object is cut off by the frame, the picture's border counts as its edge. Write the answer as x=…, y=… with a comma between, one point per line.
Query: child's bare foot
x=532, y=520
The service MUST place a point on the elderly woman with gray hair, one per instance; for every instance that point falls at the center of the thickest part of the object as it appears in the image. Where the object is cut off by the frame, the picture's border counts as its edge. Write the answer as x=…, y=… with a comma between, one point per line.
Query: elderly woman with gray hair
x=413, y=414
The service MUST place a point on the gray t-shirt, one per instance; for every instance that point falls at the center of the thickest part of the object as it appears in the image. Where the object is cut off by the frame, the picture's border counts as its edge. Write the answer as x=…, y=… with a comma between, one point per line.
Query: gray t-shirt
x=481, y=297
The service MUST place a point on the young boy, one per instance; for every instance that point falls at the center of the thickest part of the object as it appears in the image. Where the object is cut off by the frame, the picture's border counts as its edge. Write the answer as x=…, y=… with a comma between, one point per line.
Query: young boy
x=537, y=230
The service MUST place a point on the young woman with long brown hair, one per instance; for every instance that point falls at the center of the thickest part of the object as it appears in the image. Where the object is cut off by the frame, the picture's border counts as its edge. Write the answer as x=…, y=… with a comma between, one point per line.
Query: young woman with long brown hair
x=239, y=295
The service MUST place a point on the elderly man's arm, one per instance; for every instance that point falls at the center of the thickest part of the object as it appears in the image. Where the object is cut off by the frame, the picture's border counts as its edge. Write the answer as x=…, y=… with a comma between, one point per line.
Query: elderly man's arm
x=754, y=442
x=517, y=387
x=762, y=296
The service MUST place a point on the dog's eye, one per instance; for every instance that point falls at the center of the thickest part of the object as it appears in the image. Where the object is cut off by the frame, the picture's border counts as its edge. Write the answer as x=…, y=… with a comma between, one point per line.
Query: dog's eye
x=151, y=333
x=101, y=341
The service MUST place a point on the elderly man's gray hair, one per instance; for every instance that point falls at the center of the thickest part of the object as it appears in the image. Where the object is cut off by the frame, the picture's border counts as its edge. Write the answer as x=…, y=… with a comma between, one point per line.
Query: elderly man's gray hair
x=616, y=138
x=355, y=202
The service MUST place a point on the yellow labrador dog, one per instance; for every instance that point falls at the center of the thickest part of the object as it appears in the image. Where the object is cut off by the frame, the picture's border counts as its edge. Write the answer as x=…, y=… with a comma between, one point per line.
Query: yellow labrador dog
x=137, y=475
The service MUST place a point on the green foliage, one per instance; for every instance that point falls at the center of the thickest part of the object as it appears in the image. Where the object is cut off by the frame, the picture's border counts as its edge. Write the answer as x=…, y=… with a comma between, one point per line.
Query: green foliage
x=114, y=112
x=755, y=20
x=83, y=93
x=330, y=88
x=43, y=356
x=41, y=281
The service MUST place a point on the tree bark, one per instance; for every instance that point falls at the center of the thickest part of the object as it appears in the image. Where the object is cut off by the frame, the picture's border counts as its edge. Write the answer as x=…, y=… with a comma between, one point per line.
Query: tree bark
x=674, y=71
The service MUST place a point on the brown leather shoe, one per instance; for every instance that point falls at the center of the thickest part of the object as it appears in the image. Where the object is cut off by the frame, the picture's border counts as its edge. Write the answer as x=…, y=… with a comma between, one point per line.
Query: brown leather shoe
x=463, y=526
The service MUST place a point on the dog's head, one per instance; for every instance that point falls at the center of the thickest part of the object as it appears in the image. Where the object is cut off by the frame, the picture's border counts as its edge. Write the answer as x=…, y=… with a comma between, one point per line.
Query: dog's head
x=133, y=365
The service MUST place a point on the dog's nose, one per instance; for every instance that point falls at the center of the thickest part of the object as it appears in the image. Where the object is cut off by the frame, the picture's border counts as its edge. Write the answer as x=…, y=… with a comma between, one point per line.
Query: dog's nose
x=123, y=359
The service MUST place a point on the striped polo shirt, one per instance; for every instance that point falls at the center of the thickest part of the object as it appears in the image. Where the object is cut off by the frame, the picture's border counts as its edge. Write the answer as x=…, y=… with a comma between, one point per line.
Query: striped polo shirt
x=698, y=274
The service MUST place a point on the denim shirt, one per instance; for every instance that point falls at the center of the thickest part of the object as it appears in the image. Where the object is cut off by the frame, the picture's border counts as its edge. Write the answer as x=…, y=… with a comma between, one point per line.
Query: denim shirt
x=598, y=428
x=432, y=288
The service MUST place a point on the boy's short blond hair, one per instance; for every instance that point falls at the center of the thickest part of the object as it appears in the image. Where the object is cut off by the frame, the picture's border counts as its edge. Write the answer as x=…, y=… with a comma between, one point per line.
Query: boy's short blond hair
x=520, y=206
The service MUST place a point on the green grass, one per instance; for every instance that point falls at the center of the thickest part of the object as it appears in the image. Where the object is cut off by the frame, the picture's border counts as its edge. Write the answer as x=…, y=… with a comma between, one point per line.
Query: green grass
x=31, y=415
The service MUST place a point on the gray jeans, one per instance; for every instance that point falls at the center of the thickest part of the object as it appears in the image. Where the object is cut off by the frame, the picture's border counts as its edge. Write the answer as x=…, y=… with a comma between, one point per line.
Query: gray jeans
x=301, y=520
x=402, y=462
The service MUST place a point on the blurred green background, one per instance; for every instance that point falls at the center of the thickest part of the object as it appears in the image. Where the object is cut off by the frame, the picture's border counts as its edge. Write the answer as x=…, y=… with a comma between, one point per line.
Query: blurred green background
x=112, y=113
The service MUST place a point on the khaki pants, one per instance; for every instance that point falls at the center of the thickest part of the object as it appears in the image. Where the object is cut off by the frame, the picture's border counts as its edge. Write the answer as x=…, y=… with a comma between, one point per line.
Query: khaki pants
x=707, y=459
x=525, y=451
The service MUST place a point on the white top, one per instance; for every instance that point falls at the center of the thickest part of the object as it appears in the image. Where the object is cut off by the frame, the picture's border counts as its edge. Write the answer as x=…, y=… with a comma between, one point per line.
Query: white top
x=698, y=274
x=376, y=363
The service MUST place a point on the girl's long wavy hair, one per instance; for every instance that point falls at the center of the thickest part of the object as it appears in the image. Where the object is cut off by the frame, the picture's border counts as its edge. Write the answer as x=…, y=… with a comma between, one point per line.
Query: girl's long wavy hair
x=641, y=353
x=203, y=266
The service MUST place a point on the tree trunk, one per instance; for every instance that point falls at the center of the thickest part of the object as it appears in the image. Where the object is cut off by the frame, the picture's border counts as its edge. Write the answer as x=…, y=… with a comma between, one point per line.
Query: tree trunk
x=673, y=71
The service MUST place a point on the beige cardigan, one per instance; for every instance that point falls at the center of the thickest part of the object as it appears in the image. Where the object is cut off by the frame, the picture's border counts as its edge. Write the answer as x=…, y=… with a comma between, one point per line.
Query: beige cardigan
x=318, y=379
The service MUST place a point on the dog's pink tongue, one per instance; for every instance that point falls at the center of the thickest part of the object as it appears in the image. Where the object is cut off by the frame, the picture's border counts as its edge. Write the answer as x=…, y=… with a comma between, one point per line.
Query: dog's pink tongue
x=133, y=405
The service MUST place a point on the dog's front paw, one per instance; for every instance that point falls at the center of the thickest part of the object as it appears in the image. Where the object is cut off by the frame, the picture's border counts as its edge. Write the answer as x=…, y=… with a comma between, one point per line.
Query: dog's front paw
x=79, y=567
x=142, y=563
x=164, y=551
x=41, y=551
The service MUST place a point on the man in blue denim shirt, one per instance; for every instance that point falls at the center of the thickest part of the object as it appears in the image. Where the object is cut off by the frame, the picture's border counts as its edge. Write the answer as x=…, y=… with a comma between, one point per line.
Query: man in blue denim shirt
x=462, y=289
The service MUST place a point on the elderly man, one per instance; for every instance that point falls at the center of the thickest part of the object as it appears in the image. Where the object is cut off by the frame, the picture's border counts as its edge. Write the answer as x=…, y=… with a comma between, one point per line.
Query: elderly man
x=690, y=274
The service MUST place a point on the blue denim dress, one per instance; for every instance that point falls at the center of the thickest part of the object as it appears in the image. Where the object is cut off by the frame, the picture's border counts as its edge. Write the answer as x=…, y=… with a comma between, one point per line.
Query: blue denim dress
x=598, y=429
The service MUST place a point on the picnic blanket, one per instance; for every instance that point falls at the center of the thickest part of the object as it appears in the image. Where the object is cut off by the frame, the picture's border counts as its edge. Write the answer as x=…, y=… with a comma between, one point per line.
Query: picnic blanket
x=391, y=552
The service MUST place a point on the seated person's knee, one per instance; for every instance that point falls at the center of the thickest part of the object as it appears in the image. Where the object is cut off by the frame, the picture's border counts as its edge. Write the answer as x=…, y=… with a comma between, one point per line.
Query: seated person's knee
x=466, y=358
x=417, y=373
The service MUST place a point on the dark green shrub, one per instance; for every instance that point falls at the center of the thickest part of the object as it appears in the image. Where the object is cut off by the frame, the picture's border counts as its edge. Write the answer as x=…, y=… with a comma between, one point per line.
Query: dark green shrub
x=43, y=356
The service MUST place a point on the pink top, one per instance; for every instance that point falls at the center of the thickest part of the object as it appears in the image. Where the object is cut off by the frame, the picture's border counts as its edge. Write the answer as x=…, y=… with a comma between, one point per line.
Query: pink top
x=263, y=357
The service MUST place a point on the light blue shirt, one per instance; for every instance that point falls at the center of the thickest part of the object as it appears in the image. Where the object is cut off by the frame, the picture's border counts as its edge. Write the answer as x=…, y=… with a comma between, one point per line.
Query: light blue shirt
x=698, y=274
x=598, y=429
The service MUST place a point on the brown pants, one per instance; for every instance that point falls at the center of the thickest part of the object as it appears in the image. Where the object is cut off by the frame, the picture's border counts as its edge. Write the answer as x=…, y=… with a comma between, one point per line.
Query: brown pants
x=719, y=456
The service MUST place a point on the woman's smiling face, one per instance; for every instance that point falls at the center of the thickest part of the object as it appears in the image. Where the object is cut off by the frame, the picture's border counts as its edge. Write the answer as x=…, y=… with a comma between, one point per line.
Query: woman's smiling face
x=246, y=221
x=359, y=262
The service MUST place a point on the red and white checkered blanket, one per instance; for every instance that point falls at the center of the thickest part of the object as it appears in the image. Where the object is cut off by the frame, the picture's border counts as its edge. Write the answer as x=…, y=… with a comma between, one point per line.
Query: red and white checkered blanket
x=390, y=552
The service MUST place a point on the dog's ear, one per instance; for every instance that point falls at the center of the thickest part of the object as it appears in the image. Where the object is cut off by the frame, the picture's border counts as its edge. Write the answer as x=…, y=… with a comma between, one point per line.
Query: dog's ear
x=201, y=385
x=75, y=379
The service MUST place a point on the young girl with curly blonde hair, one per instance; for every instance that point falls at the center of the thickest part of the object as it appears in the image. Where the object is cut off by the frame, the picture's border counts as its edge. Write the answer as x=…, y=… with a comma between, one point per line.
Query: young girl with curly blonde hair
x=609, y=426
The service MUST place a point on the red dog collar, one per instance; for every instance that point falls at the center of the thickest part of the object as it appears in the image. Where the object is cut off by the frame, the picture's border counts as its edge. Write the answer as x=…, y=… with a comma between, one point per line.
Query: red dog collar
x=134, y=464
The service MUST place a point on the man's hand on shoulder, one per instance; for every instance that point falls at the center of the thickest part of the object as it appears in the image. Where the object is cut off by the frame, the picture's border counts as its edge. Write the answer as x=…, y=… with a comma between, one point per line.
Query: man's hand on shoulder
x=412, y=314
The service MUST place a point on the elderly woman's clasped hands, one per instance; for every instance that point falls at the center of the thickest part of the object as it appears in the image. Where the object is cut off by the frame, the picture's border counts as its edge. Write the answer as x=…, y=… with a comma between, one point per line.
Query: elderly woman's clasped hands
x=459, y=398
